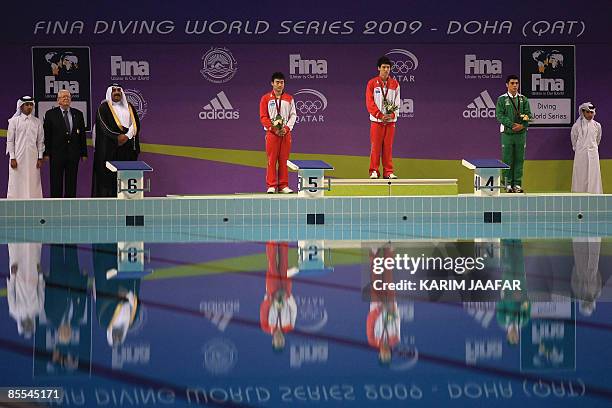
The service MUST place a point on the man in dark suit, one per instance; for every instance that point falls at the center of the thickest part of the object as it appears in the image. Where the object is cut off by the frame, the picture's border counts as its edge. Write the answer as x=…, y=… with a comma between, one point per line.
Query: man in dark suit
x=65, y=144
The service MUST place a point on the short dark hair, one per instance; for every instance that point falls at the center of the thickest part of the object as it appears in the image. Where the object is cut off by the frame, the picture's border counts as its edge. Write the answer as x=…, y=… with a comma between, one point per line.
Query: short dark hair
x=511, y=77
x=277, y=75
x=383, y=60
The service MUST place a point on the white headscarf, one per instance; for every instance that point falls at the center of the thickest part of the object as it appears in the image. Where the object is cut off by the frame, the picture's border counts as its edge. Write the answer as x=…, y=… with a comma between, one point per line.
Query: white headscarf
x=109, y=97
x=588, y=106
x=21, y=101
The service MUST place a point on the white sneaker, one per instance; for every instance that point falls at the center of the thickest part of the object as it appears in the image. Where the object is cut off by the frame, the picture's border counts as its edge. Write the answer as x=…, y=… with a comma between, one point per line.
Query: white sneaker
x=392, y=176
x=509, y=189
x=271, y=190
x=374, y=175
x=286, y=190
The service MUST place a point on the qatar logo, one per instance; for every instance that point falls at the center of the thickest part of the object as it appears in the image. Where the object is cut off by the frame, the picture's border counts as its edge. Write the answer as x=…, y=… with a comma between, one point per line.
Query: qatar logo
x=220, y=356
x=403, y=62
x=134, y=96
x=310, y=105
x=218, y=65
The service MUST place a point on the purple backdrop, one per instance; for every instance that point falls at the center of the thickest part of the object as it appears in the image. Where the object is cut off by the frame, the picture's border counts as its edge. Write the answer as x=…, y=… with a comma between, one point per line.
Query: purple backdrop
x=327, y=78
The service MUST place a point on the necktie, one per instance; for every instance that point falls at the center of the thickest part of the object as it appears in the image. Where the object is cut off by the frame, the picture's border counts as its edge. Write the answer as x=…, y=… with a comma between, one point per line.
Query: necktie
x=67, y=121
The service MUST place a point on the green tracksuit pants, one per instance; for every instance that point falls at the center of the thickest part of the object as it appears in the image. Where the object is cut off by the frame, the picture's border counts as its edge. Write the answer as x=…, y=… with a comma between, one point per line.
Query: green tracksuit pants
x=513, y=154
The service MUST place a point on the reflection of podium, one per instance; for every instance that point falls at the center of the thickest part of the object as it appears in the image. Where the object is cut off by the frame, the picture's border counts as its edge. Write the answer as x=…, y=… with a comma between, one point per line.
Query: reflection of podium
x=311, y=181
x=486, y=175
x=311, y=258
x=130, y=261
x=130, y=178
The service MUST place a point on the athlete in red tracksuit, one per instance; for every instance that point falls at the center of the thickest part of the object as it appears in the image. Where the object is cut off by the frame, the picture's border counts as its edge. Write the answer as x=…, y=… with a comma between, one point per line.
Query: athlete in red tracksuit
x=382, y=124
x=278, y=133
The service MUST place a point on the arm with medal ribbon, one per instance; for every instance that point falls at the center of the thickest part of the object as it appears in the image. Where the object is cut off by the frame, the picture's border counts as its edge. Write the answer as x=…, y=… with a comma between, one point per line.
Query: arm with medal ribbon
x=278, y=122
x=389, y=107
x=522, y=113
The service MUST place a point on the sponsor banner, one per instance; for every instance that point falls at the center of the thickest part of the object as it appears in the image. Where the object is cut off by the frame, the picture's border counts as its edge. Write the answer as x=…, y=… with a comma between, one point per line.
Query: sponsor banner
x=57, y=68
x=218, y=65
x=307, y=68
x=219, y=108
x=481, y=107
x=481, y=68
x=124, y=69
x=310, y=105
x=548, y=75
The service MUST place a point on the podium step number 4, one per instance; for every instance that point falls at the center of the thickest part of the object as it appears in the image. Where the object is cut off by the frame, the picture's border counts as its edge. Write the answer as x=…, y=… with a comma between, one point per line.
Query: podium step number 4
x=486, y=175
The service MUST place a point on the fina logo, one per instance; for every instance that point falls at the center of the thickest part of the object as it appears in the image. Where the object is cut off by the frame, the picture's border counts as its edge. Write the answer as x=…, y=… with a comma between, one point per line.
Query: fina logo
x=134, y=96
x=481, y=108
x=310, y=105
x=220, y=356
x=218, y=65
x=219, y=108
x=406, y=109
x=306, y=69
x=402, y=62
x=482, y=69
x=128, y=70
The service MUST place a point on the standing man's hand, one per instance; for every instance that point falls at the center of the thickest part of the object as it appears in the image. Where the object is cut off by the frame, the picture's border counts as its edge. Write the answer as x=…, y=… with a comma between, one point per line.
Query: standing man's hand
x=13, y=164
x=517, y=127
x=121, y=139
x=39, y=163
x=386, y=118
x=46, y=158
x=282, y=132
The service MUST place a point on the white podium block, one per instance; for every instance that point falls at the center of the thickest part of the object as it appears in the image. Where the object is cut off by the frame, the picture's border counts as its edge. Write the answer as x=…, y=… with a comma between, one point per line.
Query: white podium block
x=311, y=177
x=486, y=175
x=130, y=178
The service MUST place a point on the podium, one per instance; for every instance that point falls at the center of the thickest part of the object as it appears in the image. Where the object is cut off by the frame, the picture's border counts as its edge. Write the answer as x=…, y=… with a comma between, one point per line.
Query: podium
x=311, y=180
x=130, y=178
x=486, y=175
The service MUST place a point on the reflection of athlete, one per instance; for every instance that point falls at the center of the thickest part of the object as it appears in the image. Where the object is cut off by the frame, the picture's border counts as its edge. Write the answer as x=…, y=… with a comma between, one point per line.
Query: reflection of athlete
x=514, y=308
x=383, y=322
x=278, y=310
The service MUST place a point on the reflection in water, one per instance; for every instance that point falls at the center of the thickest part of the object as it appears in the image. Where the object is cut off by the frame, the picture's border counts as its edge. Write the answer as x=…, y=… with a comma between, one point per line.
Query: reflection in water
x=383, y=323
x=321, y=326
x=513, y=310
x=586, y=277
x=63, y=337
x=25, y=286
x=117, y=300
x=278, y=309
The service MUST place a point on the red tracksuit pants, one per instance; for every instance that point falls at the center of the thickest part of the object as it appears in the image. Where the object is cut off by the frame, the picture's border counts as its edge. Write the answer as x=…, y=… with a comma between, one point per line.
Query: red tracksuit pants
x=381, y=141
x=277, y=150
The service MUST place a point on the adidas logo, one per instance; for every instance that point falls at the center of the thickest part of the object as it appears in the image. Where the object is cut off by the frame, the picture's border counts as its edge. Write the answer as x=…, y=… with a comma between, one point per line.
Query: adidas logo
x=219, y=108
x=482, y=107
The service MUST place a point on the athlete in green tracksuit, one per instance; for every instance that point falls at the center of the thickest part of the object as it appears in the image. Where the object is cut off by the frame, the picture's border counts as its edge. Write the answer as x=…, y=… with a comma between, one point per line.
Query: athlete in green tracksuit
x=513, y=113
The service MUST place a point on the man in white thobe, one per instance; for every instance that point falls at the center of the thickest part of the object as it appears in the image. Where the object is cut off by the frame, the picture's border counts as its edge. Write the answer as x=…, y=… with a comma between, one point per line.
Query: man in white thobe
x=586, y=135
x=25, y=147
